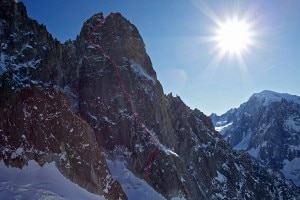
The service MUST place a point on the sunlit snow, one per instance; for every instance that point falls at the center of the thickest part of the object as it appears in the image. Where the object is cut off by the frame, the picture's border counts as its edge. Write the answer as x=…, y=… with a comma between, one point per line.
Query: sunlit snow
x=35, y=182
x=267, y=97
x=222, y=129
x=134, y=187
x=220, y=177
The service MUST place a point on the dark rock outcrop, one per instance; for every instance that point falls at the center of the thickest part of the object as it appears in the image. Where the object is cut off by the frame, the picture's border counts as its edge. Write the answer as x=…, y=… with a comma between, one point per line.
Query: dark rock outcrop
x=37, y=124
x=36, y=120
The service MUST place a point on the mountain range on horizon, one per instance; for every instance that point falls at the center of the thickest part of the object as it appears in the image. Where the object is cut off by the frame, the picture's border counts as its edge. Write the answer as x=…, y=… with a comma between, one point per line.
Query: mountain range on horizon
x=267, y=126
x=91, y=112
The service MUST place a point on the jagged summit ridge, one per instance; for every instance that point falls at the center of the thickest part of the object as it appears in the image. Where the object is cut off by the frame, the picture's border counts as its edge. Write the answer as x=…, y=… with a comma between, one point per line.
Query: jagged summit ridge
x=122, y=39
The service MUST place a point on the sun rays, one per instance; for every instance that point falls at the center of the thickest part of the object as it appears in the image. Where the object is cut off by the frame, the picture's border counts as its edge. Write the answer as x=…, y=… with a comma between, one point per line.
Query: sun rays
x=232, y=38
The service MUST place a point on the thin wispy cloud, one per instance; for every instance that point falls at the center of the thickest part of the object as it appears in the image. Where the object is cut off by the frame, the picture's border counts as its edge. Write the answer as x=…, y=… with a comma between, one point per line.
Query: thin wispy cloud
x=269, y=68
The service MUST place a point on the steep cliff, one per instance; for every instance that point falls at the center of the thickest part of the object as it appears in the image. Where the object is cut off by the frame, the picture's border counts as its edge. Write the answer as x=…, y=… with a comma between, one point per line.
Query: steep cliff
x=36, y=121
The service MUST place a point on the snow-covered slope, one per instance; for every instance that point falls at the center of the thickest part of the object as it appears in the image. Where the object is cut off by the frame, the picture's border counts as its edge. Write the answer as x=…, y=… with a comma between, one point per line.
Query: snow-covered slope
x=268, y=127
x=36, y=182
x=134, y=187
x=267, y=97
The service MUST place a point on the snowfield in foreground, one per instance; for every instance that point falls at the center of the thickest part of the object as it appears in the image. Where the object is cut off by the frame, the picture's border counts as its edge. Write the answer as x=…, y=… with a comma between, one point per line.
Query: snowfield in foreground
x=35, y=182
x=134, y=187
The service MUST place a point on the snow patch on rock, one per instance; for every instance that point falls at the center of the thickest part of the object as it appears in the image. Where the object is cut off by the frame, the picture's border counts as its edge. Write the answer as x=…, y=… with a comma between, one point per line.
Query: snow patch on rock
x=134, y=187
x=291, y=170
x=223, y=128
x=244, y=144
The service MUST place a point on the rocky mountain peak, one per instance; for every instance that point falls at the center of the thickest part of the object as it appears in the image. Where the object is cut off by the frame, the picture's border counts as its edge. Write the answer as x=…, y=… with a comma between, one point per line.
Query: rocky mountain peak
x=26, y=48
x=266, y=97
x=268, y=127
x=118, y=38
x=19, y=12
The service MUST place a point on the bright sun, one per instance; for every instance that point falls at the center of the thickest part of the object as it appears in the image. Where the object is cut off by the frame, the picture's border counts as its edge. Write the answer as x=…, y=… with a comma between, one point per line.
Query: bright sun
x=233, y=36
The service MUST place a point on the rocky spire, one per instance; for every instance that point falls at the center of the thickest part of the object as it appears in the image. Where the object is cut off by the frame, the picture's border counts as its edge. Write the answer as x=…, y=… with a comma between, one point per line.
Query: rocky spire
x=119, y=38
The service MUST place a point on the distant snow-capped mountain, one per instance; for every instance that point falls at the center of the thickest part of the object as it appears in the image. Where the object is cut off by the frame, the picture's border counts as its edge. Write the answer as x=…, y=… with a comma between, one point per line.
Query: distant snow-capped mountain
x=267, y=126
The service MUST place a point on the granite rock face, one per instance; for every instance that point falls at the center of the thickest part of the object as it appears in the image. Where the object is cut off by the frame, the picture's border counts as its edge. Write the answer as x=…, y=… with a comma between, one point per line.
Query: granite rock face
x=72, y=103
x=36, y=120
x=37, y=124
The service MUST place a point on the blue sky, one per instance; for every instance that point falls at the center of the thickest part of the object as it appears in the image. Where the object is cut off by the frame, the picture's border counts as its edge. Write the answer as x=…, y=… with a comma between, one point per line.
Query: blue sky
x=175, y=35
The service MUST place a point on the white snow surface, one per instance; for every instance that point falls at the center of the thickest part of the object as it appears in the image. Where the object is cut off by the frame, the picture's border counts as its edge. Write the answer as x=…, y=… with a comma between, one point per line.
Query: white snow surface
x=43, y=183
x=291, y=170
x=222, y=129
x=293, y=124
x=138, y=69
x=134, y=187
x=266, y=97
x=158, y=143
x=220, y=177
x=244, y=144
